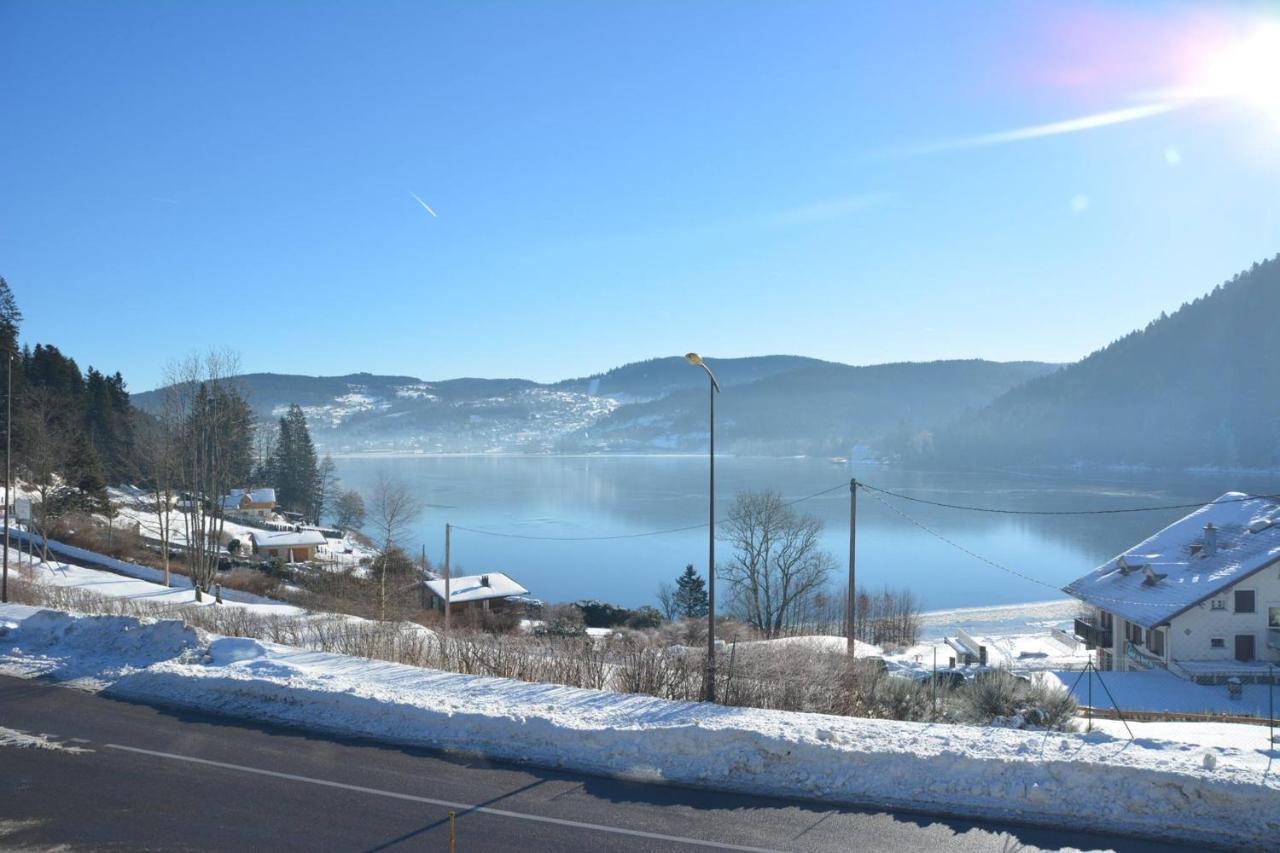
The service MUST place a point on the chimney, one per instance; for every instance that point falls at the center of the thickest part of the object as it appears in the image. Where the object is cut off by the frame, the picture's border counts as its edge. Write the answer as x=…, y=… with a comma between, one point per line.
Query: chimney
x=1210, y=540
x=484, y=580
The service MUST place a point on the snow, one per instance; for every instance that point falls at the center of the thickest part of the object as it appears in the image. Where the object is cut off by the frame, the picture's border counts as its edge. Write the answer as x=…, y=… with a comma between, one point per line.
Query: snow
x=286, y=539
x=817, y=642
x=1161, y=690
x=26, y=740
x=120, y=586
x=1247, y=542
x=1207, y=784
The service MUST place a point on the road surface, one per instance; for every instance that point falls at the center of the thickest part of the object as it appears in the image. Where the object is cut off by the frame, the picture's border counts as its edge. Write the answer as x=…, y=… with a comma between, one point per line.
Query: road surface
x=136, y=777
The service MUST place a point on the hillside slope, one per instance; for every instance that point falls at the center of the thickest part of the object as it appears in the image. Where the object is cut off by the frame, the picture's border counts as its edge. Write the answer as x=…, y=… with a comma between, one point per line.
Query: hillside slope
x=1200, y=387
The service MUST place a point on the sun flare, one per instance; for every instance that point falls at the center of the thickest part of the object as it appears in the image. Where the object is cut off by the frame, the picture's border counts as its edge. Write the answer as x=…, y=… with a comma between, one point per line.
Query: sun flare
x=1247, y=71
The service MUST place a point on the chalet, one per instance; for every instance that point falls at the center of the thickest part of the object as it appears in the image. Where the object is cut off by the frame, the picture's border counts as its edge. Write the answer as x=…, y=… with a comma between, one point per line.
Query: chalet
x=260, y=503
x=290, y=546
x=1201, y=598
x=493, y=591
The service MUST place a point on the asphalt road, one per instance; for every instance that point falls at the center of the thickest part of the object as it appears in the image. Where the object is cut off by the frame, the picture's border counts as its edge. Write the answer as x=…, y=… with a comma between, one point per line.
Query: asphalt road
x=151, y=778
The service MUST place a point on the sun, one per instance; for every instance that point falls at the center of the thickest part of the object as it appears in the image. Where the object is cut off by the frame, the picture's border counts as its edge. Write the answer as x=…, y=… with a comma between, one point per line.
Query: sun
x=1247, y=71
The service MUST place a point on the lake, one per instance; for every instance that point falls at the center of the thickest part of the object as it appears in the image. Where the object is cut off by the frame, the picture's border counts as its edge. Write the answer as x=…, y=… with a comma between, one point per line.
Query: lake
x=582, y=496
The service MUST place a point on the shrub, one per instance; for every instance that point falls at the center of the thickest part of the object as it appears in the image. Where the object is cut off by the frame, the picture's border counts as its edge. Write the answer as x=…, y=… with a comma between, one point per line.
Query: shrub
x=645, y=618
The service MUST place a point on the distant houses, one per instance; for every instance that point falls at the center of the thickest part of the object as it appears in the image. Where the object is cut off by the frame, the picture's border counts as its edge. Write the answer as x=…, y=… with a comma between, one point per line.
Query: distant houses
x=493, y=591
x=1201, y=598
x=259, y=503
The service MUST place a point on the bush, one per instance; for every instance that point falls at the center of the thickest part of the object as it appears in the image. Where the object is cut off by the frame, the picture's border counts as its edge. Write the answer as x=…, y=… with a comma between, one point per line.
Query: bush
x=562, y=620
x=645, y=618
x=601, y=614
x=1000, y=697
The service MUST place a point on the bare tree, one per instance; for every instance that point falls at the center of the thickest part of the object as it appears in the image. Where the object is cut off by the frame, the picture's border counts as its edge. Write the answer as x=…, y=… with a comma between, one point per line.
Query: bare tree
x=667, y=601
x=45, y=449
x=777, y=565
x=158, y=438
x=394, y=509
x=348, y=510
x=326, y=485
x=214, y=435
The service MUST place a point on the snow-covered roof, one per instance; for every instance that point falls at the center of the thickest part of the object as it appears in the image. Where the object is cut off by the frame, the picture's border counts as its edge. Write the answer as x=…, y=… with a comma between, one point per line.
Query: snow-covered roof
x=474, y=588
x=257, y=496
x=1173, y=570
x=286, y=539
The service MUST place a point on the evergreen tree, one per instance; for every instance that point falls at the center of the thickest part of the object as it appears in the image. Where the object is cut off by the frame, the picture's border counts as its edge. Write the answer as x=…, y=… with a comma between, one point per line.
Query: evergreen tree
x=691, y=594
x=10, y=319
x=294, y=470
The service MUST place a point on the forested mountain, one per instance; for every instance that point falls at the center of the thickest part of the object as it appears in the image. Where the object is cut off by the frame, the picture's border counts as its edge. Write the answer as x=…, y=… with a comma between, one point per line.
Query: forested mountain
x=815, y=407
x=658, y=377
x=770, y=405
x=1200, y=387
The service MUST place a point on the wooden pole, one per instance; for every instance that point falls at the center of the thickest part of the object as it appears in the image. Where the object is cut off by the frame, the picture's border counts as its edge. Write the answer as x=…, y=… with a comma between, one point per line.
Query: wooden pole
x=851, y=597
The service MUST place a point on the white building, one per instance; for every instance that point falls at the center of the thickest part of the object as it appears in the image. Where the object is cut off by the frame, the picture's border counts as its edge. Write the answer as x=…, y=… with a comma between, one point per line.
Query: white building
x=1200, y=598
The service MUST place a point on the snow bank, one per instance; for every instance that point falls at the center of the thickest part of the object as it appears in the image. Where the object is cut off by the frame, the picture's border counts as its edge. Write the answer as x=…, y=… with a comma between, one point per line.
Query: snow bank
x=1154, y=786
x=97, y=648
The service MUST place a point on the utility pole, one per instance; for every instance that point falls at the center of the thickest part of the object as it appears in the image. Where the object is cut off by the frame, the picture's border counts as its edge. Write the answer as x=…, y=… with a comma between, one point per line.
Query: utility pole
x=448, y=597
x=711, y=555
x=8, y=472
x=851, y=596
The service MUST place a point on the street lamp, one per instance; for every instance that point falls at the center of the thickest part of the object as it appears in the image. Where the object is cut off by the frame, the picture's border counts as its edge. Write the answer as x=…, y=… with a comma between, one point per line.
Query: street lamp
x=710, y=692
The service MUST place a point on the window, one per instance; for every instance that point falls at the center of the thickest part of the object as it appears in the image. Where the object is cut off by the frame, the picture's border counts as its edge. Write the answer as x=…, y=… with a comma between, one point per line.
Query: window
x=1134, y=633
x=1273, y=617
x=1217, y=604
x=1155, y=641
x=1244, y=601
x=1218, y=643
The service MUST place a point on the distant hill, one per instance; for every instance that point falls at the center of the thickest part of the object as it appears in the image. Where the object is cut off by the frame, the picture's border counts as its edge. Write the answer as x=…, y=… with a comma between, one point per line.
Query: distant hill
x=770, y=405
x=658, y=377
x=1200, y=387
x=815, y=407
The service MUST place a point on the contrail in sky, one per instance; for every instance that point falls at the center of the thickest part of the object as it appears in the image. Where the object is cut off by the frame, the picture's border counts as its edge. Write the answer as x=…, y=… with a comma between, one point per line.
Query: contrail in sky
x=425, y=206
x=1037, y=131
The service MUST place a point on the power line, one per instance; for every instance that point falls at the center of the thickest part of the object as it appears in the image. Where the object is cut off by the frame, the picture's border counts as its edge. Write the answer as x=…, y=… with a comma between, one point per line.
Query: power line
x=998, y=511
x=872, y=492
x=702, y=526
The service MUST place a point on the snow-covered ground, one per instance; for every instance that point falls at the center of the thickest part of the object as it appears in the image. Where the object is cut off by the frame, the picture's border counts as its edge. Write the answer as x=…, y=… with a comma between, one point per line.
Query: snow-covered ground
x=1212, y=784
x=1004, y=619
x=1159, y=690
x=137, y=508
x=128, y=584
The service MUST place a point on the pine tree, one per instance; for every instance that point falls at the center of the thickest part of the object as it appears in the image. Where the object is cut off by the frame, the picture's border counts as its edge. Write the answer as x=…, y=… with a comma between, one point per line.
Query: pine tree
x=294, y=470
x=691, y=594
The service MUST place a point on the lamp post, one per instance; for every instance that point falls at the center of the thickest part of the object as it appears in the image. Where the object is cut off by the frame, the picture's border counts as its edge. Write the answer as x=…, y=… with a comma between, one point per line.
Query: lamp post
x=710, y=692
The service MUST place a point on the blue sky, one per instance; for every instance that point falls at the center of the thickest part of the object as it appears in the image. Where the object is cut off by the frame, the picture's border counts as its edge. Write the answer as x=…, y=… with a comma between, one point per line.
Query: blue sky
x=857, y=182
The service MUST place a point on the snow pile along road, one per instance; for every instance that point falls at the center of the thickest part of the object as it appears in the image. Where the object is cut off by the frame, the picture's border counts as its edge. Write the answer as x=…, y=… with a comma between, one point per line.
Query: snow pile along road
x=1157, y=787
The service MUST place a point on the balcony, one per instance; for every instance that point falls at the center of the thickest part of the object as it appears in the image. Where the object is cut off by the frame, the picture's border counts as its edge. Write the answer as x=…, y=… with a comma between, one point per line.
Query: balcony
x=1092, y=635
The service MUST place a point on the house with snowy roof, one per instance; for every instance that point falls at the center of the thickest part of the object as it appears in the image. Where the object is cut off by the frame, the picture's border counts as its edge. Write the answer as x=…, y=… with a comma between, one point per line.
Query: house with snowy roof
x=492, y=591
x=291, y=546
x=1201, y=598
x=260, y=503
